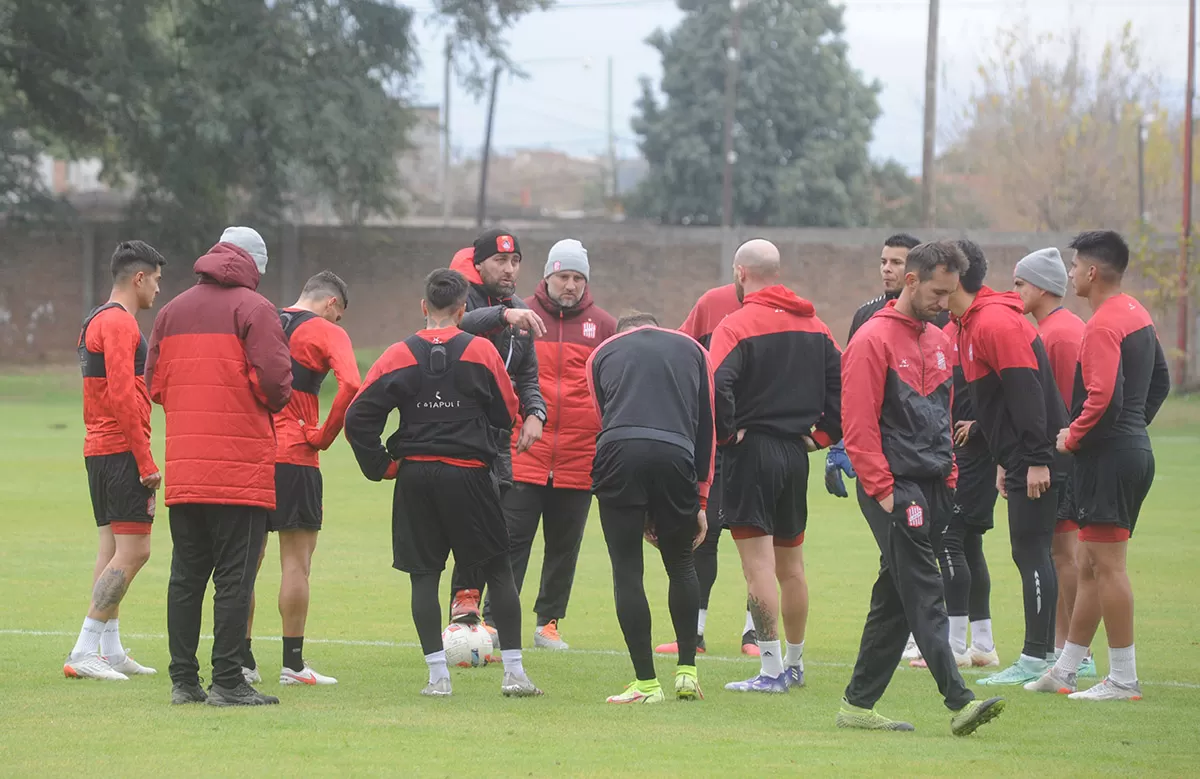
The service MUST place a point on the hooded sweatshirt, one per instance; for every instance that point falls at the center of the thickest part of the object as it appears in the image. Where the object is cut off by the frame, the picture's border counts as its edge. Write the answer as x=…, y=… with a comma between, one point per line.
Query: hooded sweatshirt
x=219, y=366
x=777, y=370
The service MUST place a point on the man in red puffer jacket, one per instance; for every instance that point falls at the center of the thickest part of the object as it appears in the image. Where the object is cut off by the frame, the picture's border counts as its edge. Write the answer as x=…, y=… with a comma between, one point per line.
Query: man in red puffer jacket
x=219, y=366
x=553, y=478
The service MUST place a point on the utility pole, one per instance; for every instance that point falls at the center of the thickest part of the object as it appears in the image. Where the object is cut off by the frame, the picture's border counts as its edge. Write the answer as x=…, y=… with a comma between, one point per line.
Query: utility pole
x=1186, y=239
x=612, y=145
x=1141, y=163
x=928, y=175
x=446, y=137
x=481, y=207
x=729, y=156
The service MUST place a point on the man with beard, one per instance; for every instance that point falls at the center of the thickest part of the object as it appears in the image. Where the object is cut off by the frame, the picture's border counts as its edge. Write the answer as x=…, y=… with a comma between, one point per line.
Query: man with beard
x=492, y=265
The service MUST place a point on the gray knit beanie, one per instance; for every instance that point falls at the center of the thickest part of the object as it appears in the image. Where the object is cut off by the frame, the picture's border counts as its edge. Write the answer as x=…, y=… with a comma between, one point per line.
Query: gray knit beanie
x=1044, y=269
x=568, y=254
x=248, y=240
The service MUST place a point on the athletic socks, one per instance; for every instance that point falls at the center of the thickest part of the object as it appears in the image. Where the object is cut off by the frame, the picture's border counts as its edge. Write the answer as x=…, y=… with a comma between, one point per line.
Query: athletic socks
x=248, y=656
x=293, y=653
x=749, y=623
x=110, y=639
x=770, y=656
x=1122, y=666
x=437, y=666
x=795, y=656
x=958, y=635
x=700, y=622
x=981, y=635
x=512, y=661
x=89, y=637
x=1072, y=655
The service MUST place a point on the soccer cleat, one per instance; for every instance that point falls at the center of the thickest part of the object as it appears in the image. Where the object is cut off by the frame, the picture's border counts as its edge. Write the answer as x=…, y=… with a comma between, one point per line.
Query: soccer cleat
x=91, y=666
x=911, y=650
x=1052, y=681
x=687, y=685
x=673, y=647
x=465, y=607
x=242, y=695
x=968, y=719
x=547, y=637
x=761, y=683
x=1108, y=690
x=1023, y=671
x=649, y=691
x=251, y=675
x=982, y=659
x=307, y=676
x=518, y=686
x=750, y=644
x=128, y=666
x=866, y=719
x=962, y=661
x=794, y=675
x=438, y=689
x=1087, y=669
x=187, y=692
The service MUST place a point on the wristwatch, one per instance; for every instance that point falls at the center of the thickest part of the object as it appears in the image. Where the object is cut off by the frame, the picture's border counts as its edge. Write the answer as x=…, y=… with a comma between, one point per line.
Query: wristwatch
x=541, y=415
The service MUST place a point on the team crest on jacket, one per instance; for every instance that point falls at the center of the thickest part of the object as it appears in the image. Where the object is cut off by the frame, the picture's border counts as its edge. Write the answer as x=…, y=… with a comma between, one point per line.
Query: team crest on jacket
x=589, y=329
x=916, y=517
x=941, y=360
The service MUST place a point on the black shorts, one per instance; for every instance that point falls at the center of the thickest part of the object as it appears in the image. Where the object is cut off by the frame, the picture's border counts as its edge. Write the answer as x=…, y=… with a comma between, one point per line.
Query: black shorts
x=1067, y=511
x=298, y=498
x=714, y=496
x=439, y=509
x=1111, y=485
x=117, y=491
x=657, y=476
x=764, y=483
x=976, y=493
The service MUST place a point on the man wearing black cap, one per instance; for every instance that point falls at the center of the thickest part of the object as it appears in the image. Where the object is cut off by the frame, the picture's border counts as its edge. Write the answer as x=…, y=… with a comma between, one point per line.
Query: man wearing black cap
x=492, y=265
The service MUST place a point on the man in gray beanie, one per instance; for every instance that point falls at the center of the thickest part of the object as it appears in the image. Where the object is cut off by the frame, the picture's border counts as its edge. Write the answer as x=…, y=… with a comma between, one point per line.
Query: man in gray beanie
x=1040, y=279
x=248, y=240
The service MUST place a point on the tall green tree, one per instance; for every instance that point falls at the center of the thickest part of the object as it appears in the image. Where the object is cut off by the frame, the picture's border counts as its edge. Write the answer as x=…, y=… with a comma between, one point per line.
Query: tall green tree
x=803, y=119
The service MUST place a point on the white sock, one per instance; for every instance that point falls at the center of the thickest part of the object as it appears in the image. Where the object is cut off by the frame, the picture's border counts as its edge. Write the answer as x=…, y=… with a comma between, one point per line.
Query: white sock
x=512, y=661
x=110, y=639
x=749, y=623
x=958, y=635
x=981, y=635
x=770, y=656
x=700, y=622
x=795, y=655
x=1068, y=662
x=89, y=637
x=1122, y=666
x=437, y=666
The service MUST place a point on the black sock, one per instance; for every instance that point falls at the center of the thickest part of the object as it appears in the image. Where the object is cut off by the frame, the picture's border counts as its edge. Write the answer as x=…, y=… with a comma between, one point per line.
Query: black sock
x=293, y=653
x=248, y=656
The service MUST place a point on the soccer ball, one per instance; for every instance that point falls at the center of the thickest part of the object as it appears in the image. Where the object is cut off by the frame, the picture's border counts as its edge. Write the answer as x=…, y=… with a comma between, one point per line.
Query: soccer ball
x=467, y=646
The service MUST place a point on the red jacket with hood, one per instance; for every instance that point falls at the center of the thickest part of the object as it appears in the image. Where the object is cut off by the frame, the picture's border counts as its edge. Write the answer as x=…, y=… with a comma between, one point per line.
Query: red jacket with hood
x=219, y=366
x=568, y=443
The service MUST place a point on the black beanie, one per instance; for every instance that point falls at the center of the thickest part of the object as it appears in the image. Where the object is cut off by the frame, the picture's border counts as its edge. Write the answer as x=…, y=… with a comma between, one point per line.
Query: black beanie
x=495, y=241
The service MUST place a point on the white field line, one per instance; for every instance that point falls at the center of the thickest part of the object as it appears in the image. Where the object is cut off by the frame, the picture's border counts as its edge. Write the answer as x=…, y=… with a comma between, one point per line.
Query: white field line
x=412, y=645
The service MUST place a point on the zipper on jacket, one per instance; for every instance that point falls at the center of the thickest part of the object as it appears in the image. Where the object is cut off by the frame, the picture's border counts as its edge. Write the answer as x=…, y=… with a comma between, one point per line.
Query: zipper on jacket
x=558, y=401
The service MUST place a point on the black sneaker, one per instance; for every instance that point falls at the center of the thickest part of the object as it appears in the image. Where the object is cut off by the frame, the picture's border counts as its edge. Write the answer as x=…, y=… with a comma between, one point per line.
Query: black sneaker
x=242, y=695
x=187, y=692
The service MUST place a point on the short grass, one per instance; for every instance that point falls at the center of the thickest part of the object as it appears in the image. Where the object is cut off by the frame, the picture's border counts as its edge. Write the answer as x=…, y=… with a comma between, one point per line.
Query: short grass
x=374, y=723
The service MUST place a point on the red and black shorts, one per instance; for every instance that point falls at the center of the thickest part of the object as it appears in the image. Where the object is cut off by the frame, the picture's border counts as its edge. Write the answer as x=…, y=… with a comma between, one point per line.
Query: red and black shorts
x=1110, y=486
x=764, y=489
x=298, y=498
x=118, y=497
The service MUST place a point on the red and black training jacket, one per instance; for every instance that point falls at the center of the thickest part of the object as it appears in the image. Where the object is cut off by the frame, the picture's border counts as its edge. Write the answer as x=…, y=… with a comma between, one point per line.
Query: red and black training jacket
x=777, y=370
x=710, y=309
x=455, y=399
x=1122, y=380
x=1018, y=407
x=896, y=395
x=963, y=407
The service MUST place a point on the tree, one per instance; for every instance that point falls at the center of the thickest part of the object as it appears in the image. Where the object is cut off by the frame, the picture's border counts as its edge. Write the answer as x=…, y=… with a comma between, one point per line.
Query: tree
x=804, y=119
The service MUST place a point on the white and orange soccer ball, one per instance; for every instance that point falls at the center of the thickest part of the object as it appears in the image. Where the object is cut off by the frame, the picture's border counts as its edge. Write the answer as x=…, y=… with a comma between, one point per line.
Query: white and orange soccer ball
x=467, y=646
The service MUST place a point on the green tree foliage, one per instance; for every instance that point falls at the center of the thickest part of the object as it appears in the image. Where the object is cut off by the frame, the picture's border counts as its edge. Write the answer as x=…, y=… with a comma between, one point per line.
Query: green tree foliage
x=804, y=119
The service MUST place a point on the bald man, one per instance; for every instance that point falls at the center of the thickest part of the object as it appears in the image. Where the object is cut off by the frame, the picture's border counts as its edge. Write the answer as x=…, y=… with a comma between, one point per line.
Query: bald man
x=778, y=397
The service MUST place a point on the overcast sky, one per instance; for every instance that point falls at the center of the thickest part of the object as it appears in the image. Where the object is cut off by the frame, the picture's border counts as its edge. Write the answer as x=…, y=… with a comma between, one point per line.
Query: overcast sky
x=562, y=105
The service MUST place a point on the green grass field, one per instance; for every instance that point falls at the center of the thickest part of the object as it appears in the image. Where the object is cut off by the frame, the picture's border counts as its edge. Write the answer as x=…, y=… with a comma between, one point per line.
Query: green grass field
x=374, y=722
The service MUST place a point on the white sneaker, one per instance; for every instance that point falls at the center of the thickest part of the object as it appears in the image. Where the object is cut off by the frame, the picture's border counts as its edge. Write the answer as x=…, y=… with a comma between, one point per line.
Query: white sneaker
x=911, y=651
x=1053, y=682
x=128, y=666
x=963, y=660
x=982, y=659
x=251, y=675
x=91, y=666
x=307, y=676
x=1108, y=690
